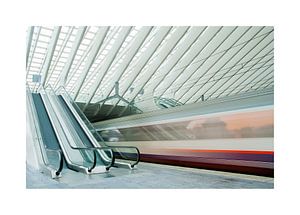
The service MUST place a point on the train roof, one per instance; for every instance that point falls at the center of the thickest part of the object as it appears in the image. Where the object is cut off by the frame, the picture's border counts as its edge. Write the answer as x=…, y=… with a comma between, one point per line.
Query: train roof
x=253, y=100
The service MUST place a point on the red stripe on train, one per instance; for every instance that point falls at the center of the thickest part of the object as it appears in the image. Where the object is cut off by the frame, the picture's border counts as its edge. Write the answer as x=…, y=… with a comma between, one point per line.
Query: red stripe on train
x=225, y=151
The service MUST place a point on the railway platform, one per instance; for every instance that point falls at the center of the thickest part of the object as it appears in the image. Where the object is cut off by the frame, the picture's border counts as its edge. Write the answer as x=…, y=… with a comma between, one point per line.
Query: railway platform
x=150, y=176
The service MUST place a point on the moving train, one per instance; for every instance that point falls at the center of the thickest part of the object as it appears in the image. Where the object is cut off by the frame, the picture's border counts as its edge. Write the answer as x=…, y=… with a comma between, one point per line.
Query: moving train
x=235, y=134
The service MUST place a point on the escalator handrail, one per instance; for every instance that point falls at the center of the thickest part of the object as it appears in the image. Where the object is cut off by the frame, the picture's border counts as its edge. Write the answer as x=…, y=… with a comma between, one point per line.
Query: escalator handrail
x=112, y=147
x=87, y=148
x=83, y=115
x=109, y=147
x=61, y=160
x=39, y=138
x=95, y=131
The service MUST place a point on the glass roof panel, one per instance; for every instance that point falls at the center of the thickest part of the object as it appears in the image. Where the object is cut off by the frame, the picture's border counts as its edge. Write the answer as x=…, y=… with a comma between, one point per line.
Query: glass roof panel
x=222, y=61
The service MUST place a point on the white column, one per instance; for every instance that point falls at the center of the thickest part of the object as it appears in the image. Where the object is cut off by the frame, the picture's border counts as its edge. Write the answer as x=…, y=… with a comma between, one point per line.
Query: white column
x=75, y=46
x=98, y=40
x=107, y=62
x=50, y=51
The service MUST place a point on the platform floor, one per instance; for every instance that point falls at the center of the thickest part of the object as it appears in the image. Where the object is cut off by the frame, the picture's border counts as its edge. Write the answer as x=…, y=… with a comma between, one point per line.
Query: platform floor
x=149, y=176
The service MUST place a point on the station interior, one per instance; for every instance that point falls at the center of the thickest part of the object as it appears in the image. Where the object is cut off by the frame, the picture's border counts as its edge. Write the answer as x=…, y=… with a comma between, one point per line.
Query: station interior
x=150, y=107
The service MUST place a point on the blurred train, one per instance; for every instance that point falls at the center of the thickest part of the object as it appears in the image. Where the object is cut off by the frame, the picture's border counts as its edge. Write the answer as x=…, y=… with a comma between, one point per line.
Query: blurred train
x=235, y=134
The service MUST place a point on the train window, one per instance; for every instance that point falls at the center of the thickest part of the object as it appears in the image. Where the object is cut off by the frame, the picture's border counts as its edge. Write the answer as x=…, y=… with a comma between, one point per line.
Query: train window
x=235, y=125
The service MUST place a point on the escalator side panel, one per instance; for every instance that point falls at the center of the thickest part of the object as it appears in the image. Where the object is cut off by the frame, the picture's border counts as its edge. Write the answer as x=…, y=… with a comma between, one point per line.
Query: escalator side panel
x=76, y=124
x=80, y=131
x=47, y=131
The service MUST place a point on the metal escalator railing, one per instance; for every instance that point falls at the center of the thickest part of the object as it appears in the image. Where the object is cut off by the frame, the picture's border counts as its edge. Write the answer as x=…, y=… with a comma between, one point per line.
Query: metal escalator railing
x=94, y=149
x=166, y=102
x=110, y=160
x=60, y=159
x=38, y=137
x=109, y=148
x=116, y=149
x=63, y=91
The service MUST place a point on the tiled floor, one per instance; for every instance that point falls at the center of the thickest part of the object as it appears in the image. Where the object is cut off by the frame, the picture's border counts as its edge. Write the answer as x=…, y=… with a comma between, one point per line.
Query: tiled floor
x=148, y=176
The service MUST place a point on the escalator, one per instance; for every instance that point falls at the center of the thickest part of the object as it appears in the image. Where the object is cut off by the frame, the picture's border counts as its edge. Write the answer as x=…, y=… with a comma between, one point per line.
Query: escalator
x=82, y=134
x=48, y=144
x=56, y=141
x=78, y=155
x=48, y=134
x=63, y=135
x=126, y=156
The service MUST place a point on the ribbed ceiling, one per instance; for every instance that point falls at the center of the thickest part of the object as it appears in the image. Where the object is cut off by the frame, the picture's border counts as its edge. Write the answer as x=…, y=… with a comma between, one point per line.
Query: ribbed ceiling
x=186, y=64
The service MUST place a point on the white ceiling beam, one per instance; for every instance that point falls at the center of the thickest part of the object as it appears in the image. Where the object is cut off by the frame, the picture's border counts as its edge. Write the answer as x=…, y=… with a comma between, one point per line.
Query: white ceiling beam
x=251, y=79
x=235, y=82
x=49, y=55
x=197, y=90
x=188, y=59
x=270, y=80
x=256, y=85
x=107, y=62
x=198, y=71
x=33, y=50
x=206, y=62
x=137, y=43
x=247, y=78
x=29, y=40
x=184, y=89
x=144, y=58
x=165, y=50
x=110, y=34
x=247, y=74
x=190, y=39
x=57, y=58
x=75, y=46
x=98, y=40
